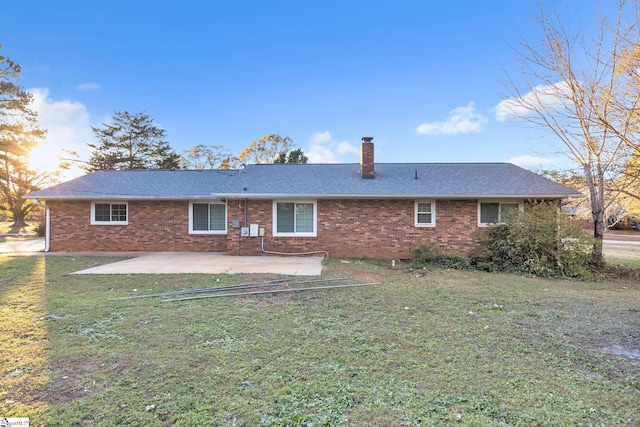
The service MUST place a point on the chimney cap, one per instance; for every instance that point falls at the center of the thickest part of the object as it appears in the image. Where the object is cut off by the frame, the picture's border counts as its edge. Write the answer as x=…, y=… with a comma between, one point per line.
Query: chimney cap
x=367, y=138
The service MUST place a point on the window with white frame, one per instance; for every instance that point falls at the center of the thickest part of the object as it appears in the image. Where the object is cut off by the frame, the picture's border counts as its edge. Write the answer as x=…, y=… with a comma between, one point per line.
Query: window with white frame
x=425, y=213
x=207, y=218
x=109, y=213
x=493, y=212
x=294, y=218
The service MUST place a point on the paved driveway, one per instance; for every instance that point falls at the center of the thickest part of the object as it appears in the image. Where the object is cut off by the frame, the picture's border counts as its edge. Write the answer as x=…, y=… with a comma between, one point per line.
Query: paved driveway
x=622, y=249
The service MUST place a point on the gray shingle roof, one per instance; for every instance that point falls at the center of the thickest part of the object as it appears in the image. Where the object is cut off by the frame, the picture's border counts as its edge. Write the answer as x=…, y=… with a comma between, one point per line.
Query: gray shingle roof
x=434, y=180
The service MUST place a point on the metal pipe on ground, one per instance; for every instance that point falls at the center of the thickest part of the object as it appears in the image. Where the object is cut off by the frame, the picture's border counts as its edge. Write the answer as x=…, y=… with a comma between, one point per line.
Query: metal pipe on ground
x=227, y=288
x=201, y=290
x=270, y=292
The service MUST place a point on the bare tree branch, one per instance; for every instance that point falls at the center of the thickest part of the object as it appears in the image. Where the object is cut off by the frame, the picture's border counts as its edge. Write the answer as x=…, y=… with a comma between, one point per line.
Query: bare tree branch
x=579, y=86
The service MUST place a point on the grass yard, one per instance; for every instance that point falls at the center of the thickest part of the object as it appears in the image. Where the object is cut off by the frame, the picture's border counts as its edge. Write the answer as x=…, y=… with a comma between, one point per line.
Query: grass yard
x=425, y=347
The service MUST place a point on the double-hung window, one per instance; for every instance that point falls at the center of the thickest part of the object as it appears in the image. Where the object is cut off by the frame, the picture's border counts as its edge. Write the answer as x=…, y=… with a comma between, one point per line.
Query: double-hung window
x=496, y=212
x=109, y=213
x=294, y=218
x=207, y=218
x=425, y=213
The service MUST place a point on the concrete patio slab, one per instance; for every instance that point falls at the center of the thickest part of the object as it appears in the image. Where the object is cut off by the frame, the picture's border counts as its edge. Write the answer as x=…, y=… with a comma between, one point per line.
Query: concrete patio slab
x=210, y=263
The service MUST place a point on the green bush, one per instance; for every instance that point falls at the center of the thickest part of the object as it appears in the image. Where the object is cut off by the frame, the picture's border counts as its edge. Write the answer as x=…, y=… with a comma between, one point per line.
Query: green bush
x=542, y=241
x=480, y=259
x=426, y=253
x=539, y=241
x=429, y=253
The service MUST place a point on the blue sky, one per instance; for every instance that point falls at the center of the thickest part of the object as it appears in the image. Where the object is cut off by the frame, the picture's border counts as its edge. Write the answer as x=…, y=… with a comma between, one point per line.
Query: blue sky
x=423, y=78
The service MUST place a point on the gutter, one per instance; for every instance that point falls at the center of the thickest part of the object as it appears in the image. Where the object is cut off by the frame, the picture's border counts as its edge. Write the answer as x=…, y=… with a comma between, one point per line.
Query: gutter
x=257, y=196
x=393, y=196
x=47, y=222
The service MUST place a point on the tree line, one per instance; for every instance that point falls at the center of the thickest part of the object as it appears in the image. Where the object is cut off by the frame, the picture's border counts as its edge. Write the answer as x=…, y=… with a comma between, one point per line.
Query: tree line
x=132, y=141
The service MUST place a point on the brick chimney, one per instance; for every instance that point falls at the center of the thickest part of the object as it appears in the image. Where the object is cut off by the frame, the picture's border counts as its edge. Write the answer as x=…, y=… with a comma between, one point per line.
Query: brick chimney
x=367, y=167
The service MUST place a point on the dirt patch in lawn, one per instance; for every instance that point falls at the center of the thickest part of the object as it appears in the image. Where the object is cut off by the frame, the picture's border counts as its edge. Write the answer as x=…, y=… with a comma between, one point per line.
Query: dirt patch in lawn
x=69, y=377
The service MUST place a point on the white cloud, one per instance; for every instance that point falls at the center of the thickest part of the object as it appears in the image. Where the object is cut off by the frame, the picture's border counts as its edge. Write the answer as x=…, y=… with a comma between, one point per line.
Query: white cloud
x=323, y=149
x=319, y=154
x=88, y=87
x=531, y=162
x=544, y=97
x=460, y=120
x=321, y=137
x=345, y=147
x=68, y=127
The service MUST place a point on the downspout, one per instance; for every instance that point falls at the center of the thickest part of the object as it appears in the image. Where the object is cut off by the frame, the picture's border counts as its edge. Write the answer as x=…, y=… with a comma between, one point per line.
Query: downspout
x=47, y=221
x=293, y=253
x=244, y=224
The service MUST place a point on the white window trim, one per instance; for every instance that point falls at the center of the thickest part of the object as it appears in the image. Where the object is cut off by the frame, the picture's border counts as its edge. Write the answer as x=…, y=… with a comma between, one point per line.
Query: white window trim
x=107, y=202
x=208, y=202
x=499, y=201
x=274, y=218
x=433, y=214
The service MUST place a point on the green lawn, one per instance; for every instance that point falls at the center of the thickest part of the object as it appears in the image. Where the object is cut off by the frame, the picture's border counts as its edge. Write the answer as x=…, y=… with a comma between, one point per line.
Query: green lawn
x=425, y=347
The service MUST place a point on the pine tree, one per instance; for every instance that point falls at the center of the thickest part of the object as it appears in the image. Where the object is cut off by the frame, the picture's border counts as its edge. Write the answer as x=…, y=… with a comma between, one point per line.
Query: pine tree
x=19, y=133
x=131, y=141
x=293, y=156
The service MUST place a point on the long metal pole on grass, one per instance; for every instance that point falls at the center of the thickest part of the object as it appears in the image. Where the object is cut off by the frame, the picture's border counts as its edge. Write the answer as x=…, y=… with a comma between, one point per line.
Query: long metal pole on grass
x=200, y=290
x=226, y=288
x=269, y=292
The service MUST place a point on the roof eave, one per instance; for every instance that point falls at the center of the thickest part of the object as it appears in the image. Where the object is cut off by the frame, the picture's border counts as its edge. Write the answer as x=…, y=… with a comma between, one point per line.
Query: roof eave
x=390, y=196
x=305, y=196
x=116, y=197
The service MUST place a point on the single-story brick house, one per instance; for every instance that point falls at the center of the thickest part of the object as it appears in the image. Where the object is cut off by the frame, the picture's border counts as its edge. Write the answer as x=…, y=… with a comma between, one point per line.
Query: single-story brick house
x=369, y=210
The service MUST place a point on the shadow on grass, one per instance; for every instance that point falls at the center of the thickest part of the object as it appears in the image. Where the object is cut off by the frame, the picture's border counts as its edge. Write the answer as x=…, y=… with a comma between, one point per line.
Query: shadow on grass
x=25, y=345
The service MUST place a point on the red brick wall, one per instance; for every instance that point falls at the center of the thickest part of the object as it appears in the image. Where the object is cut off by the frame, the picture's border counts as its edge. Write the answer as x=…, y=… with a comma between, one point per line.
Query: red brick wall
x=362, y=229
x=345, y=228
x=153, y=226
